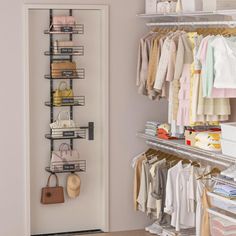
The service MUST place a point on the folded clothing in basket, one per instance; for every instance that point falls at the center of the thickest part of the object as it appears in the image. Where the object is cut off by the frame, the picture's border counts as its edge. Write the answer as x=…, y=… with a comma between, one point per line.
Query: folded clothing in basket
x=225, y=190
x=223, y=224
x=208, y=137
x=208, y=146
x=222, y=227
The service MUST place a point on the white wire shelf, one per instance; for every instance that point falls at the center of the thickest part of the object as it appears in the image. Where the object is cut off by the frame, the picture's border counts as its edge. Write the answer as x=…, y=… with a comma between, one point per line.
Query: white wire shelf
x=223, y=199
x=217, y=13
x=178, y=147
x=231, y=24
x=222, y=180
x=220, y=17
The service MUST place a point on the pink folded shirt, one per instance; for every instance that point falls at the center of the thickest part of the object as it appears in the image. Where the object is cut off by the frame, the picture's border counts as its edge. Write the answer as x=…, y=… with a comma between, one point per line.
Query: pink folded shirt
x=222, y=225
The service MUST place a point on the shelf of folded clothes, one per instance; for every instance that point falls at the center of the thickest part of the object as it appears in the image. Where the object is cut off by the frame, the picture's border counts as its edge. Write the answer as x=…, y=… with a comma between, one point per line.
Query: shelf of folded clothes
x=223, y=180
x=66, y=101
x=65, y=29
x=77, y=166
x=66, y=74
x=230, y=217
x=231, y=200
x=220, y=226
x=67, y=133
x=181, y=147
x=65, y=51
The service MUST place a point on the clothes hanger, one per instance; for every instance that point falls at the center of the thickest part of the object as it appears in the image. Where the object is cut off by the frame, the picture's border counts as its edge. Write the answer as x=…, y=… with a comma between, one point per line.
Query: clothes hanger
x=214, y=171
x=196, y=164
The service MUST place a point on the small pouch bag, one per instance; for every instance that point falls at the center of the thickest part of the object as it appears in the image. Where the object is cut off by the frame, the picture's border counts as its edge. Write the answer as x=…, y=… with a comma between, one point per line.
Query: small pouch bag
x=52, y=195
x=61, y=96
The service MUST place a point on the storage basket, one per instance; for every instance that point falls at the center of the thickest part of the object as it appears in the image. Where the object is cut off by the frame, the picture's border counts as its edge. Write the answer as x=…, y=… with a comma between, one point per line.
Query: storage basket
x=228, y=148
x=191, y=6
x=151, y=6
x=229, y=131
x=213, y=5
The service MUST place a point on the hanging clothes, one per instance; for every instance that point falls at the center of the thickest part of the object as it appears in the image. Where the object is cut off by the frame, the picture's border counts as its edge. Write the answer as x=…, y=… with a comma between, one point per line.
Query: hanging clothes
x=137, y=178
x=205, y=226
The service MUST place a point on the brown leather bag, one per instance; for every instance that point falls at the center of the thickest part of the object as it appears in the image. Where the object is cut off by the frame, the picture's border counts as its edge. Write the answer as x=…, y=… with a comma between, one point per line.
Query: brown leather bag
x=52, y=195
x=61, y=68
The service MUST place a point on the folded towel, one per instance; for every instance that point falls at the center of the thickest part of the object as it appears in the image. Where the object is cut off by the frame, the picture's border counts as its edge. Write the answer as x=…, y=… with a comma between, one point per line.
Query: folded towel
x=208, y=147
x=223, y=224
x=208, y=137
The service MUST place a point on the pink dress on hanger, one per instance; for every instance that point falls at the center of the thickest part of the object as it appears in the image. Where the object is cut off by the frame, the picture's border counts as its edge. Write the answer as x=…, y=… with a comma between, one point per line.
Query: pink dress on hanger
x=183, y=116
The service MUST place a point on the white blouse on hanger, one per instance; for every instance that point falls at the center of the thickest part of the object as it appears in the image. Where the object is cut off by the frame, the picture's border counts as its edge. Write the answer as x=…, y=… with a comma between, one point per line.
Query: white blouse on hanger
x=179, y=196
x=225, y=61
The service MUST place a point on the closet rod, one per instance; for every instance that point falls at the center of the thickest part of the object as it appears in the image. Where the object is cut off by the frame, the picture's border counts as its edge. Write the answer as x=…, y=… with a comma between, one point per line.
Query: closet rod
x=193, y=23
x=184, y=153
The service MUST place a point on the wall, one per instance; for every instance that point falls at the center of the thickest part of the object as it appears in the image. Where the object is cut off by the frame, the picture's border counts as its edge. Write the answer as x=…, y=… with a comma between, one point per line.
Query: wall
x=128, y=112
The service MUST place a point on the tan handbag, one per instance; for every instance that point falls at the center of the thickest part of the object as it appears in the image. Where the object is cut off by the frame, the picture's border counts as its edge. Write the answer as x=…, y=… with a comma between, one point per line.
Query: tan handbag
x=61, y=96
x=62, y=69
x=52, y=195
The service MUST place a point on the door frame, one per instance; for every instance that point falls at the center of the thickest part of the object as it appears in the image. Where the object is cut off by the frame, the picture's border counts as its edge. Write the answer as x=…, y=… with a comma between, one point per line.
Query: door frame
x=104, y=9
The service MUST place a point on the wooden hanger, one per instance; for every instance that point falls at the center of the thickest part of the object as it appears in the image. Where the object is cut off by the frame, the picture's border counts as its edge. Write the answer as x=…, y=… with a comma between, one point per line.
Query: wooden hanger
x=195, y=164
x=214, y=171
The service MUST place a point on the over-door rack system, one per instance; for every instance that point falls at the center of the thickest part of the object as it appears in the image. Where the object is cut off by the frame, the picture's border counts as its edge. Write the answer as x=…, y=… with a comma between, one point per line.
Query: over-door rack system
x=225, y=18
x=66, y=53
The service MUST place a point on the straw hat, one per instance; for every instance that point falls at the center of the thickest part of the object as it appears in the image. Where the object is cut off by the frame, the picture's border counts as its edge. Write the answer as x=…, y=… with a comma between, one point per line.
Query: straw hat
x=73, y=185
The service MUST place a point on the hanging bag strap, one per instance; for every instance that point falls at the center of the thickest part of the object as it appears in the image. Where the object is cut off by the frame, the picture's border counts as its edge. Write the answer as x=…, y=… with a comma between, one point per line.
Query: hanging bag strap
x=63, y=112
x=60, y=84
x=62, y=148
x=49, y=179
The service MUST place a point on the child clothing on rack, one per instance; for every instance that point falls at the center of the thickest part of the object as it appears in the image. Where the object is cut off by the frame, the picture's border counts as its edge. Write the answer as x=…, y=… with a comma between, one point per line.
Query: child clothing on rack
x=193, y=70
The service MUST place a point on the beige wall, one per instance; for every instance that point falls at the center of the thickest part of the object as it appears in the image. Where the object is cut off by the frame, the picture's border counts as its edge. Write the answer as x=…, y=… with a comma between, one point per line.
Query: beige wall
x=128, y=112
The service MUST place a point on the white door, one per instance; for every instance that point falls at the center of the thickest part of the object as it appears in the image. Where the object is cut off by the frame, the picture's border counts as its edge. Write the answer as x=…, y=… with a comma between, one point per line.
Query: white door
x=88, y=211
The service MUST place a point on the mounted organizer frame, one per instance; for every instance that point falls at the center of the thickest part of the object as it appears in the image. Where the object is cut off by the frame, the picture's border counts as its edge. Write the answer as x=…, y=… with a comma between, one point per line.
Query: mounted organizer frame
x=65, y=54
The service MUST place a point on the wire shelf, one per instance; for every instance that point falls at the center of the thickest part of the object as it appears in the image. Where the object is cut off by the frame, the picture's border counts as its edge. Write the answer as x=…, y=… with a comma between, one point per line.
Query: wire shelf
x=222, y=180
x=218, y=17
x=66, y=74
x=65, y=29
x=66, y=51
x=220, y=198
x=222, y=214
x=67, y=133
x=67, y=101
x=179, y=147
x=78, y=166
